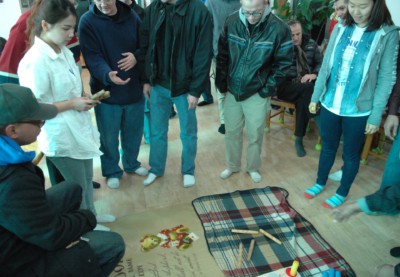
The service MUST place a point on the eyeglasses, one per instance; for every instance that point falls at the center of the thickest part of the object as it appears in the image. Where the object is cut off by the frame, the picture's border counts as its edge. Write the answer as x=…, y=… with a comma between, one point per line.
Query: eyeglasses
x=38, y=123
x=104, y=1
x=254, y=14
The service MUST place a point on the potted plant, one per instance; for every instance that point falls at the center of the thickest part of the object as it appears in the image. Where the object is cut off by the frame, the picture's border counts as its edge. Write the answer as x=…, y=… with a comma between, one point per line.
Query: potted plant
x=313, y=14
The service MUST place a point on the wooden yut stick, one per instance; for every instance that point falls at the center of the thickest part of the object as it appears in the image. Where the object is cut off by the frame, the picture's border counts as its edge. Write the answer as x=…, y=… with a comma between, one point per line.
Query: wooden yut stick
x=268, y=235
x=251, y=232
x=239, y=258
x=251, y=248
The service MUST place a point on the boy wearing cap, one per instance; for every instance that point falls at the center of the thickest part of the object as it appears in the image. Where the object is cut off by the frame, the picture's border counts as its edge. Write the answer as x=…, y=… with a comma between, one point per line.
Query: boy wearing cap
x=43, y=232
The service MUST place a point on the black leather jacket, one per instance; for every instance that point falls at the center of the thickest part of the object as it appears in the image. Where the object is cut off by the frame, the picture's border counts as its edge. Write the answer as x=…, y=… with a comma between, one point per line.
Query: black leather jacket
x=191, y=48
x=253, y=63
x=313, y=55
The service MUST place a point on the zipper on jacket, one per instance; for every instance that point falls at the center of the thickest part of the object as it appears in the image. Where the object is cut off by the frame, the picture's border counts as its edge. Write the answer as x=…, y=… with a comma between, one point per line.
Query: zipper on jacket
x=246, y=54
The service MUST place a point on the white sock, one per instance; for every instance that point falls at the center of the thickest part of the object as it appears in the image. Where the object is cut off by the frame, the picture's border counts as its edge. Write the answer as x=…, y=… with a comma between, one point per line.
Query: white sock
x=150, y=179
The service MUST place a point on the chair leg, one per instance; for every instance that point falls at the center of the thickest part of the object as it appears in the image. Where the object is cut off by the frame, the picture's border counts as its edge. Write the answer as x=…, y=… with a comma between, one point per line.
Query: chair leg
x=366, y=148
x=267, y=122
x=318, y=146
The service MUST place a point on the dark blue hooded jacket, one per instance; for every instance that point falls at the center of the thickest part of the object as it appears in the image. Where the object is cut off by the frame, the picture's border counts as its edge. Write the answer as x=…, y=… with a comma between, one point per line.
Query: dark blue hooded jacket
x=103, y=39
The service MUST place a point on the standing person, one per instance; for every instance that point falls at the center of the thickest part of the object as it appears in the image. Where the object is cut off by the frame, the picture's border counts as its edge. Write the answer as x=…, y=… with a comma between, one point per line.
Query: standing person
x=14, y=50
x=40, y=229
x=134, y=6
x=112, y=66
x=220, y=9
x=338, y=15
x=176, y=39
x=356, y=49
x=69, y=140
x=254, y=52
x=146, y=124
x=300, y=79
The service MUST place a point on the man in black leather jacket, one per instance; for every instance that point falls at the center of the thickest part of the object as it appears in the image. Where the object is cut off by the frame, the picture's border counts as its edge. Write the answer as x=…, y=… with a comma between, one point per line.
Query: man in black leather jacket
x=299, y=84
x=176, y=48
x=254, y=51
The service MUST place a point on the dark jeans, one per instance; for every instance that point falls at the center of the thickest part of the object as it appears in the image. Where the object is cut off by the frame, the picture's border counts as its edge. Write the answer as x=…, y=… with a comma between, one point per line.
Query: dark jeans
x=207, y=96
x=332, y=128
x=300, y=94
x=109, y=247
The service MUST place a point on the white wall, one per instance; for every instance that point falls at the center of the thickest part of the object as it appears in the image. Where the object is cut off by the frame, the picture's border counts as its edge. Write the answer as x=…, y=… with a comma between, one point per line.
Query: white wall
x=10, y=11
x=394, y=8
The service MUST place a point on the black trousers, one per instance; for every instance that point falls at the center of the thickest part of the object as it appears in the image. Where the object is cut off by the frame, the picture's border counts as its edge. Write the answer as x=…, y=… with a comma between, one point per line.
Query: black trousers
x=300, y=94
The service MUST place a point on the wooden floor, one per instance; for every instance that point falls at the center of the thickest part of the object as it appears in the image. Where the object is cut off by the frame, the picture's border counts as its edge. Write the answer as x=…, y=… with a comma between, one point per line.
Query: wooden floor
x=364, y=241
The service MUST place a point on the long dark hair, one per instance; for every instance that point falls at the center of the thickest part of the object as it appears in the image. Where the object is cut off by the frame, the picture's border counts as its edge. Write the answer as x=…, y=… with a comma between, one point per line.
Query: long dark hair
x=379, y=15
x=51, y=11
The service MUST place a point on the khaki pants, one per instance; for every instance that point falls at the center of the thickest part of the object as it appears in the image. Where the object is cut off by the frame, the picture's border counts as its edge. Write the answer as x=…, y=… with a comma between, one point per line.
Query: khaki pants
x=251, y=114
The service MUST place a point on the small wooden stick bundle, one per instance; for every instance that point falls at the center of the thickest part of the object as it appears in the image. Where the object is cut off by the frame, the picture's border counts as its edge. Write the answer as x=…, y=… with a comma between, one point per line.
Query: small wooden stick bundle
x=100, y=95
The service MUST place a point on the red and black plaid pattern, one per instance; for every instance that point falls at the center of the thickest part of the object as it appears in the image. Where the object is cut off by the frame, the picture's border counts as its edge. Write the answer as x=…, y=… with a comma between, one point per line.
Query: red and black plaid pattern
x=269, y=210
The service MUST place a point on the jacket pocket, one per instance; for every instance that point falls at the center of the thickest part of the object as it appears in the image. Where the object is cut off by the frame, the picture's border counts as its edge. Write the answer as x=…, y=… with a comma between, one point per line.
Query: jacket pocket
x=263, y=45
x=236, y=40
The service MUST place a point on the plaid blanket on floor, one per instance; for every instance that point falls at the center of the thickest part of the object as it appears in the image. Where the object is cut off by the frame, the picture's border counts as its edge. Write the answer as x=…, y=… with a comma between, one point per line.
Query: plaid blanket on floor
x=269, y=210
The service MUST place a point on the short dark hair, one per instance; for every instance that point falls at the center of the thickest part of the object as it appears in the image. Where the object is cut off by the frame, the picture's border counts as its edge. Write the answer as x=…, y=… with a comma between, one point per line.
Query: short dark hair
x=292, y=22
x=379, y=15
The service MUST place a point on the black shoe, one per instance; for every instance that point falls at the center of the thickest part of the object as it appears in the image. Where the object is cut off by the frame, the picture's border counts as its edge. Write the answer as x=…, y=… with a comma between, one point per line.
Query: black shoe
x=204, y=103
x=221, y=129
x=173, y=113
x=96, y=185
x=395, y=252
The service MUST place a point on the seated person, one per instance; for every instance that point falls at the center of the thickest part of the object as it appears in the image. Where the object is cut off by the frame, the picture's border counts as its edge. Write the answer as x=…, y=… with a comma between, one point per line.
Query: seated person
x=299, y=84
x=43, y=232
x=384, y=201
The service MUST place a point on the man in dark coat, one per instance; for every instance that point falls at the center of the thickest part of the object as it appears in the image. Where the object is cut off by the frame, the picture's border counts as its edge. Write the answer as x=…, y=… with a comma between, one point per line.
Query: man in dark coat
x=43, y=232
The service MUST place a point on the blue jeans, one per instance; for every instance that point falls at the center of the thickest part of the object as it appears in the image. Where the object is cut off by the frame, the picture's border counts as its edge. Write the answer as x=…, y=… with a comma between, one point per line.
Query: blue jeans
x=332, y=128
x=391, y=173
x=113, y=122
x=160, y=110
x=146, y=126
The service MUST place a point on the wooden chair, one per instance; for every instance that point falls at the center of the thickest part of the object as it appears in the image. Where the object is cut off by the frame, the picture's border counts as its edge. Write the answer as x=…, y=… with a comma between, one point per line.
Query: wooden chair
x=374, y=145
x=281, y=112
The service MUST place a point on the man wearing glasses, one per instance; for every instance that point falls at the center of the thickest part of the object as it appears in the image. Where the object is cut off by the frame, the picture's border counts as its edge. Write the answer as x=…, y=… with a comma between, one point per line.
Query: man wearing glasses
x=43, y=232
x=254, y=51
